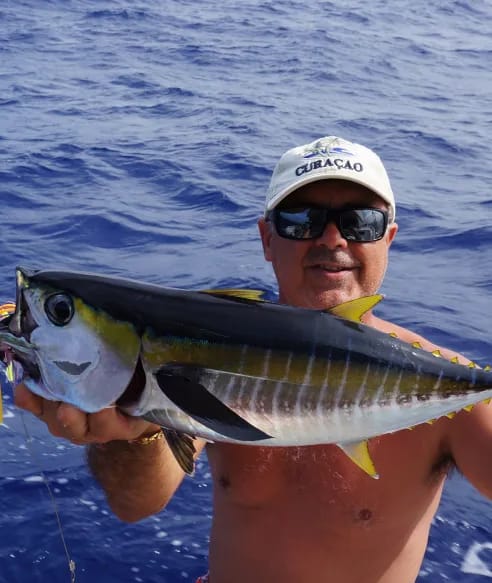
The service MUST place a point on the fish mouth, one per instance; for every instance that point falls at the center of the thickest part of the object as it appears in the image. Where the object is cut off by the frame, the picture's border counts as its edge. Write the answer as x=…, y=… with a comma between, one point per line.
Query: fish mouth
x=30, y=368
x=18, y=348
x=16, y=328
x=136, y=386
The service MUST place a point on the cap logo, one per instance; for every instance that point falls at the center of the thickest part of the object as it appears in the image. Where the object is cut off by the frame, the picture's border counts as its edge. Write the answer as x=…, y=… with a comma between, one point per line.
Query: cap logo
x=327, y=151
x=337, y=163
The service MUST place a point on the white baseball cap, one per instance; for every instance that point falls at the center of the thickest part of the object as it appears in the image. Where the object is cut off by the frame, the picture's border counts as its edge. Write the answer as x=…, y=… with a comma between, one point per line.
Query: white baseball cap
x=328, y=158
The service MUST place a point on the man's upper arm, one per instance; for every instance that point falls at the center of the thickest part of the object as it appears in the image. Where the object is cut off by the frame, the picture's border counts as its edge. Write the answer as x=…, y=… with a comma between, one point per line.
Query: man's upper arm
x=469, y=433
x=470, y=441
x=470, y=437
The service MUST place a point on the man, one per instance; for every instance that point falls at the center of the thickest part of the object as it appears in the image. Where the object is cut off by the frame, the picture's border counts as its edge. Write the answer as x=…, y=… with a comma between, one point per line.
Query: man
x=303, y=515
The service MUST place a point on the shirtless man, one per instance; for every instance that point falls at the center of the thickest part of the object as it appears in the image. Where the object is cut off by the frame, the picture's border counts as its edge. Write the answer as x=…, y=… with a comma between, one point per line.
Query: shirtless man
x=303, y=515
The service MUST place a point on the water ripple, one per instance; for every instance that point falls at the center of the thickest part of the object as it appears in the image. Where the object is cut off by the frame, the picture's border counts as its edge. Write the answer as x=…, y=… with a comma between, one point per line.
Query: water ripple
x=138, y=138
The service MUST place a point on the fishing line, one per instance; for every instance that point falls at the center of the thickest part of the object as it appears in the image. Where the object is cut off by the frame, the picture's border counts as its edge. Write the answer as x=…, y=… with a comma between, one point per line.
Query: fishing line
x=70, y=561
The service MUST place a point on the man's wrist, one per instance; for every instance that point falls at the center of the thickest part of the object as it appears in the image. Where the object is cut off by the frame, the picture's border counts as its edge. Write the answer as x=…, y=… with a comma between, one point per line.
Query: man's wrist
x=148, y=438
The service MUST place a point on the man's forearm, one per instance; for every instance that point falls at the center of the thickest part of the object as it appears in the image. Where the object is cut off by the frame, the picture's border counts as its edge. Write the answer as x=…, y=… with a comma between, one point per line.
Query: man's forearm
x=139, y=480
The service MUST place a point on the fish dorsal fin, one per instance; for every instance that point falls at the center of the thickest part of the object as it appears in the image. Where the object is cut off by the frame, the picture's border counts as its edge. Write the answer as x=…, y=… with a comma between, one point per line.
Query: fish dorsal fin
x=355, y=309
x=254, y=295
x=358, y=452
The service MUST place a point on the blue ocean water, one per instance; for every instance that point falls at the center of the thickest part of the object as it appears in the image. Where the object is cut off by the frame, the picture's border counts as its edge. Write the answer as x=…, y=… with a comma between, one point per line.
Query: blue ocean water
x=137, y=138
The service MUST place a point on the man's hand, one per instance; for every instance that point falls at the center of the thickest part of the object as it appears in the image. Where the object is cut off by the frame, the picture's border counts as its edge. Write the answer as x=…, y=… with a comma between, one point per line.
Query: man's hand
x=82, y=428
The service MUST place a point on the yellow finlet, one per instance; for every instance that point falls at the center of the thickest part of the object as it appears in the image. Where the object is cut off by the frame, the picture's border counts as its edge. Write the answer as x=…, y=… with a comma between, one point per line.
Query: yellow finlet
x=451, y=415
x=431, y=421
x=472, y=365
x=393, y=334
x=487, y=401
x=358, y=452
x=242, y=294
x=487, y=368
x=437, y=353
x=455, y=360
x=468, y=408
x=355, y=309
x=416, y=345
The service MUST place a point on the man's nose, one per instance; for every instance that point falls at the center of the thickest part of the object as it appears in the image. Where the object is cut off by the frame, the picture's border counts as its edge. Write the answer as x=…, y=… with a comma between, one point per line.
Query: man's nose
x=331, y=237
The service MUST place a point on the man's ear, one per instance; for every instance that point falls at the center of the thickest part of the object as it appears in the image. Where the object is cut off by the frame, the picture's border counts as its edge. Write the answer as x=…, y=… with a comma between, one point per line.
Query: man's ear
x=265, y=229
x=392, y=230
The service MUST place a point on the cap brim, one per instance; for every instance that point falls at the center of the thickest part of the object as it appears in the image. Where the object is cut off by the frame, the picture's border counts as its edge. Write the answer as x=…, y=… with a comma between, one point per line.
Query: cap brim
x=272, y=203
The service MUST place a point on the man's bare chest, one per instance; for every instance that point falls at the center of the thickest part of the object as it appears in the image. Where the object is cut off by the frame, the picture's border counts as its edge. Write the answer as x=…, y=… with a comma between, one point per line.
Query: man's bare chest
x=320, y=484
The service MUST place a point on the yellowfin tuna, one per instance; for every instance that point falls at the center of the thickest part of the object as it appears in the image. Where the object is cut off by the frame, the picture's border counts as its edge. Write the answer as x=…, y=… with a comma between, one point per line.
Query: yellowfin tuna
x=226, y=366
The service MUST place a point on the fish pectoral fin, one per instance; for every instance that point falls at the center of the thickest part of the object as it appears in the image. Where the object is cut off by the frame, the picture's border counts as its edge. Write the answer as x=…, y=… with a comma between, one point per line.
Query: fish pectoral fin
x=355, y=309
x=253, y=295
x=183, y=449
x=181, y=384
x=358, y=452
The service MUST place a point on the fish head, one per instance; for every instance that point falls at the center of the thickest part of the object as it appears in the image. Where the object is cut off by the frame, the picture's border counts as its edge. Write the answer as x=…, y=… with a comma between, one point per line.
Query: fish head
x=69, y=350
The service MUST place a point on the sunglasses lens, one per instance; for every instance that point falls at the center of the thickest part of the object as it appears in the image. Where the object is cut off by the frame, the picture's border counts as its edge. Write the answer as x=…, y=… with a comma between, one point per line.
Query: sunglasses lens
x=363, y=225
x=299, y=223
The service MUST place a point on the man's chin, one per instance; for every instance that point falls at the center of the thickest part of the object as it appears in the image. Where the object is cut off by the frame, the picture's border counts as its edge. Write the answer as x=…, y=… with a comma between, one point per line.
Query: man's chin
x=318, y=297
x=326, y=299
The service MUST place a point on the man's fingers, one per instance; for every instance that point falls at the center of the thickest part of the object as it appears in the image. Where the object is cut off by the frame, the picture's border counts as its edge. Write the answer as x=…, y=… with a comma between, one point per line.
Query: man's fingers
x=111, y=424
x=72, y=423
x=64, y=420
x=24, y=399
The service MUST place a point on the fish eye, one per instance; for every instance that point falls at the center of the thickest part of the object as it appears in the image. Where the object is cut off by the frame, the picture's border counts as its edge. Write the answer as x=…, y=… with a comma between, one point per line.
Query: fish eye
x=59, y=309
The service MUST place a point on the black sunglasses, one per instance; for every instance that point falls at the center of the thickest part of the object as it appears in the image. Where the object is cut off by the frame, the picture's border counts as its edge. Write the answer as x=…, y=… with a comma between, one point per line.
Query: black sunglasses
x=355, y=224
